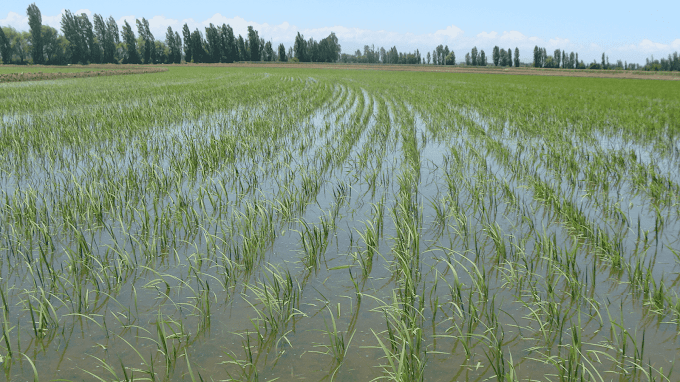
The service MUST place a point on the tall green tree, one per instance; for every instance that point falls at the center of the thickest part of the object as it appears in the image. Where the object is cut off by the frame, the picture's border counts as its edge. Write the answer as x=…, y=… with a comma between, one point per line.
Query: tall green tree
x=213, y=43
x=52, y=49
x=268, y=51
x=544, y=57
x=178, y=49
x=229, y=48
x=174, y=42
x=170, y=42
x=149, y=48
x=450, y=58
x=112, y=31
x=482, y=58
x=516, y=57
x=130, y=41
x=106, y=38
x=197, y=49
x=188, y=55
x=473, y=56
x=537, y=57
x=242, y=50
x=282, y=53
x=329, y=49
x=35, y=25
x=77, y=47
x=254, y=42
x=496, y=55
x=93, y=52
x=5, y=48
x=300, y=48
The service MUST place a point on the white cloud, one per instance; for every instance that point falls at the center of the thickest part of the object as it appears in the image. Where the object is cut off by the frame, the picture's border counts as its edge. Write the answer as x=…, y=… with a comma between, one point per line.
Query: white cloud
x=559, y=43
x=489, y=35
x=53, y=21
x=450, y=32
x=16, y=21
x=513, y=37
x=647, y=46
x=650, y=46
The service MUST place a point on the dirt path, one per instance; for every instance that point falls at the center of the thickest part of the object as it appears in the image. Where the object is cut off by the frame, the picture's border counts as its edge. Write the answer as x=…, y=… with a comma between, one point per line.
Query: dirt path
x=111, y=71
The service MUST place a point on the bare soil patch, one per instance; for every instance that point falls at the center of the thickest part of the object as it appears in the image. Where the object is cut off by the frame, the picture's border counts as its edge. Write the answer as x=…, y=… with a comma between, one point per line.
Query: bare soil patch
x=111, y=71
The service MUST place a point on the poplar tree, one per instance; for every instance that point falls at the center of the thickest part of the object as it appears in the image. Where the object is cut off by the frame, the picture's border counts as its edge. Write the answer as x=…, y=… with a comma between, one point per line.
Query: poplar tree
x=173, y=45
x=5, y=48
x=242, y=52
x=112, y=30
x=188, y=55
x=128, y=35
x=473, y=56
x=214, y=43
x=196, y=42
x=537, y=57
x=93, y=52
x=178, y=49
x=228, y=44
x=282, y=53
x=106, y=39
x=300, y=48
x=496, y=55
x=254, y=42
x=149, y=47
x=35, y=24
x=509, y=59
x=516, y=57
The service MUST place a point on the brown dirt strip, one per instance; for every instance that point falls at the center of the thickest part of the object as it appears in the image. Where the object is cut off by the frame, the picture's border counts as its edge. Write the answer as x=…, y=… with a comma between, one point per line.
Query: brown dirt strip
x=39, y=76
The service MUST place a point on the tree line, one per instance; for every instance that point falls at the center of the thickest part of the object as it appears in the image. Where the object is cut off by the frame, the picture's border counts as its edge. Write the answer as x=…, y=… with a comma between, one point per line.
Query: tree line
x=100, y=41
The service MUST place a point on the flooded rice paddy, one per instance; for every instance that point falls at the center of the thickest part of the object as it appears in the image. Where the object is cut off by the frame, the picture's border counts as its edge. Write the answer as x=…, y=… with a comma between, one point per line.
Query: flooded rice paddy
x=261, y=224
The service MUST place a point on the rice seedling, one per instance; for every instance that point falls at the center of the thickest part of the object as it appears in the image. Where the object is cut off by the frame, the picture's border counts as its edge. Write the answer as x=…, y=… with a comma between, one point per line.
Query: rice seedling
x=246, y=224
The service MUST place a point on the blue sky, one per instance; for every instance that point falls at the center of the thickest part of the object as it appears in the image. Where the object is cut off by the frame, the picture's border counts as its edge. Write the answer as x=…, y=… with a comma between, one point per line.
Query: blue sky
x=629, y=31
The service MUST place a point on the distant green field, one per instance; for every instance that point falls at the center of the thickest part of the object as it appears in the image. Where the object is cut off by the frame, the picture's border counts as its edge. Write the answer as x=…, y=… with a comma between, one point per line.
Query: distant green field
x=253, y=224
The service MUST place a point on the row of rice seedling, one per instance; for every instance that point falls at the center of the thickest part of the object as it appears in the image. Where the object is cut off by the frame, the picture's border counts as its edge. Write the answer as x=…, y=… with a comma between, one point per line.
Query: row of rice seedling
x=253, y=224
